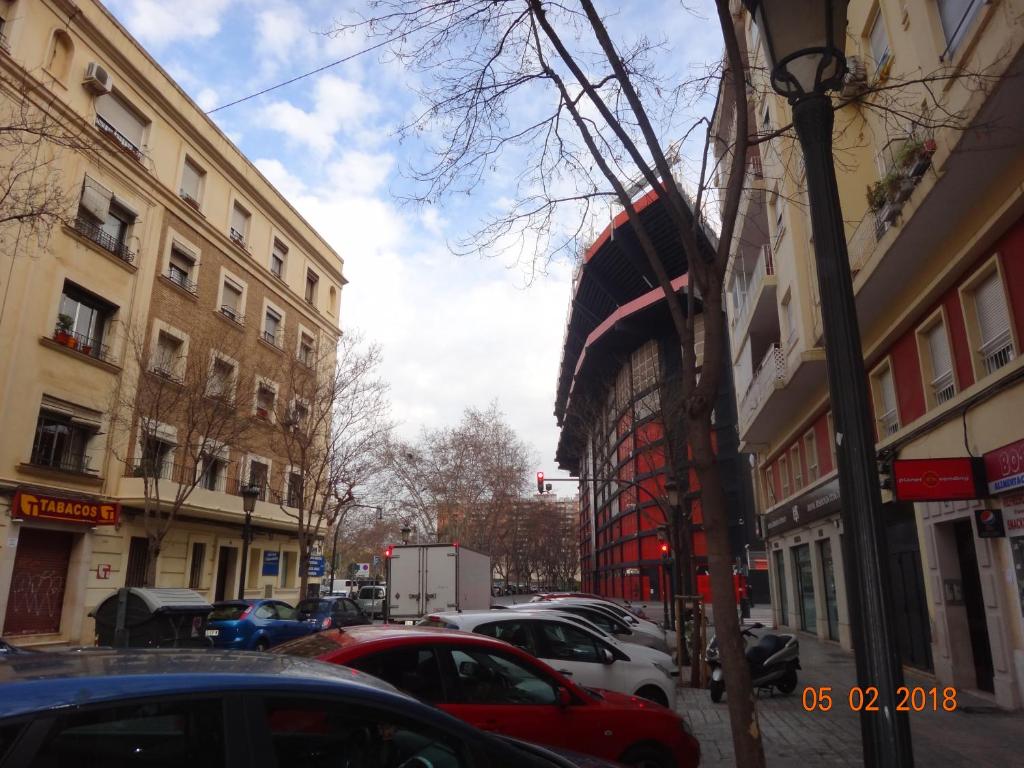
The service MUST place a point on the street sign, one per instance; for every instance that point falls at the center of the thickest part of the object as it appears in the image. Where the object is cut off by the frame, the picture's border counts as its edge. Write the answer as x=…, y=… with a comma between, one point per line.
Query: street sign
x=316, y=565
x=376, y=560
x=364, y=569
x=271, y=563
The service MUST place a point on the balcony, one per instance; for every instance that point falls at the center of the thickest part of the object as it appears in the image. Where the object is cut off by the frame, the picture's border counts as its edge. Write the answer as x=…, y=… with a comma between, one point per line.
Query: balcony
x=226, y=310
x=238, y=238
x=181, y=280
x=787, y=382
x=68, y=462
x=272, y=339
x=82, y=344
x=92, y=231
x=759, y=310
x=121, y=141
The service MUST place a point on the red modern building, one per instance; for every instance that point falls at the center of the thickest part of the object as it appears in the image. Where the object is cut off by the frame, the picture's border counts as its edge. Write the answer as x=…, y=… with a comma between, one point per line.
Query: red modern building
x=618, y=355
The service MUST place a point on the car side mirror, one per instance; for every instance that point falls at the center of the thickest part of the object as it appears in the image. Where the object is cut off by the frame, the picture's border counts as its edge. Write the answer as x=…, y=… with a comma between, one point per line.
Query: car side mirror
x=469, y=669
x=607, y=657
x=564, y=697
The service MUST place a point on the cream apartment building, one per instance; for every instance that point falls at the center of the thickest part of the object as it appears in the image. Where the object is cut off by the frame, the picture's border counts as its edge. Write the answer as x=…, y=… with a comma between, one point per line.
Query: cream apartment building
x=931, y=180
x=172, y=236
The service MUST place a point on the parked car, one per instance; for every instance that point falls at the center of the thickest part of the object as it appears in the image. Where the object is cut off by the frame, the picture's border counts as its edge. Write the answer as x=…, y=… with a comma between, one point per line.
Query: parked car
x=650, y=635
x=496, y=686
x=254, y=625
x=213, y=709
x=371, y=601
x=591, y=658
x=326, y=612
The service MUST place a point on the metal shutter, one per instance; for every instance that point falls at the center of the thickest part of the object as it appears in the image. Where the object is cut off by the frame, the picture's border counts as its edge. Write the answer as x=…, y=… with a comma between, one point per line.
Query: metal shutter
x=36, y=597
x=990, y=304
x=938, y=346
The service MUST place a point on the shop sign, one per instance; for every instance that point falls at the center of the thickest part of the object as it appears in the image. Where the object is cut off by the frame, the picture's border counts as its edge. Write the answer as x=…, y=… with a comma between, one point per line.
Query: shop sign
x=271, y=563
x=316, y=565
x=816, y=504
x=989, y=523
x=954, y=479
x=1004, y=467
x=1013, y=515
x=36, y=506
x=632, y=571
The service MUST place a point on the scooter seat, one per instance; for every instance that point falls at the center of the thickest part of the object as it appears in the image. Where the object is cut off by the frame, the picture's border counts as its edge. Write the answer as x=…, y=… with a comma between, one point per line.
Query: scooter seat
x=767, y=646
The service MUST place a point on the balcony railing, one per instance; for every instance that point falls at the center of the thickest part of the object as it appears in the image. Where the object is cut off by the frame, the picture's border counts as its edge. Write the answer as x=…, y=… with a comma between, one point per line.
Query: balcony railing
x=997, y=352
x=181, y=280
x=104, y=240
x=756, y=168
x=82, y=344
x=764, y=267
x=123, y=143
x=272, y=339
x=223, y=481
x=232, y=314
x=769, y=374
x=238, y=238
x=79, y=464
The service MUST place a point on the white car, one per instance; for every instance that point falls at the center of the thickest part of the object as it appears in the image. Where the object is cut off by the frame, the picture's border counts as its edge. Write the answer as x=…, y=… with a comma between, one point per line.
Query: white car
x=643, y=633
x=593, y=660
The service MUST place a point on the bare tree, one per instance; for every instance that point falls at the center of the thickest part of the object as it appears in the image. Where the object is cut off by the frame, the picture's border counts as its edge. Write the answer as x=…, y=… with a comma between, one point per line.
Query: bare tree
x=180, y=416
x=331, y=419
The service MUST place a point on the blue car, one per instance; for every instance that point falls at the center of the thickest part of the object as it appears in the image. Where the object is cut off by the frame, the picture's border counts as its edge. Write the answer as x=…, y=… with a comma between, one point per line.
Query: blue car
x=254, y=625
x=177, y=708
x=327, y=612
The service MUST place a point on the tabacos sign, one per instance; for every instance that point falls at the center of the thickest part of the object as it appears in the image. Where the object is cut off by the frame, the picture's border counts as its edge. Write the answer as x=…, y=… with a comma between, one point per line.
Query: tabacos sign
x=37, y=506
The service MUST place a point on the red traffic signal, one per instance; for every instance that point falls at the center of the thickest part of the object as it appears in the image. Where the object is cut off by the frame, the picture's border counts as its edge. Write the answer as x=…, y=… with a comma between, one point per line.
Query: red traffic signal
x=388, y=550
x=664, y=549
x=540, y=482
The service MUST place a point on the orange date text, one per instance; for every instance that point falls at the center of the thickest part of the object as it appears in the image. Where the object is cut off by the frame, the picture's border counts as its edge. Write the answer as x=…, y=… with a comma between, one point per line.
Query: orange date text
x=858, y=699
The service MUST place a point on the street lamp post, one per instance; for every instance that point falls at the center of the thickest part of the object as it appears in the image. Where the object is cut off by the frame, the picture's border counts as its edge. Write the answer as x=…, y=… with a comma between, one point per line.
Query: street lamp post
x=805, y=49
x=249, y=494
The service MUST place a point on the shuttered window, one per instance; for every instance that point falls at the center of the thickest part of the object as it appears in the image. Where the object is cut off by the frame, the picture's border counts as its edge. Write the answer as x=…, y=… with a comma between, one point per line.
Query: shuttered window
x=956, y=16
x=122, y=117
x=191, y=180
x=942, y=384
x=993, y=318
x=879, y=42
x=885, y=391
x=195, y=574
x=240, y=222
x=138, y=554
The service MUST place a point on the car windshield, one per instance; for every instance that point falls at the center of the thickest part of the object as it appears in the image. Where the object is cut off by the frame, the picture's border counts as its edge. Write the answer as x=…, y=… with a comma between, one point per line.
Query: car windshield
x=314, y=606
x=228, y=612
x=366, y=593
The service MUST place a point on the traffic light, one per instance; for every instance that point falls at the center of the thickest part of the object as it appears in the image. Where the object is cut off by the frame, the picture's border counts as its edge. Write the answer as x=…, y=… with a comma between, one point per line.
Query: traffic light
x=664, y=549
x=388, y=550
x=540, y=482
x=885, y=473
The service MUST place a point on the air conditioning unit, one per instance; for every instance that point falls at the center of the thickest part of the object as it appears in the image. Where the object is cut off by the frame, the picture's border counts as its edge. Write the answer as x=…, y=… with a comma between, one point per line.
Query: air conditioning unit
x=97, y=79
x=856, y=80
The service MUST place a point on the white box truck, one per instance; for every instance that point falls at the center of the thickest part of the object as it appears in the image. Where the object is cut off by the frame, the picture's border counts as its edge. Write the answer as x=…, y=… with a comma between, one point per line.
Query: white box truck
x=436, y=577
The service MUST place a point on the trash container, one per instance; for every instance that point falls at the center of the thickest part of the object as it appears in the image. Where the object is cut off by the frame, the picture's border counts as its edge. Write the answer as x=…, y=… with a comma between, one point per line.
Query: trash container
x=134, y=617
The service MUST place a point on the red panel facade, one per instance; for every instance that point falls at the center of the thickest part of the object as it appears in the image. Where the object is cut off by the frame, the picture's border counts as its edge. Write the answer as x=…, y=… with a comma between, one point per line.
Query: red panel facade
x=961, y=347
x=823, y=444
x=1011, y=250
x=906, y=374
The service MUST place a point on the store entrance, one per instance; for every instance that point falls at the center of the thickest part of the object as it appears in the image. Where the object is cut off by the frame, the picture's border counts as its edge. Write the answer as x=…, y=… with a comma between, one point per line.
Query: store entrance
x=225, y=585
x=974, y=603
x=828, y=574
x=805, y=588
x=906, y=578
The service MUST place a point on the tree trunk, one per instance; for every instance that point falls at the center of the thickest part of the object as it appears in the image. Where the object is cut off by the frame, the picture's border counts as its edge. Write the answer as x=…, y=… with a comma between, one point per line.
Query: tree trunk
x=746, y=733
x=153, y=543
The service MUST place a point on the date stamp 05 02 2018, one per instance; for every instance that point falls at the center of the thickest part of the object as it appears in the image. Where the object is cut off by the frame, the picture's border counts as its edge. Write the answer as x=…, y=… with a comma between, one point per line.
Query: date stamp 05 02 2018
x=908, y=699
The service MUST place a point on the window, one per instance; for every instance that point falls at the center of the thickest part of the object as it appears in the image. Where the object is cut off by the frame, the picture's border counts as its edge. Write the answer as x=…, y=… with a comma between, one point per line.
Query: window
x=213, y=471
x=181, y=731
x=82, y=321
x=252, y=578
x=222, y=378
x=566, y=643
x=938, y=363
x=240, y=219
x=138, y=559
x=288, y=569
x=798, y=470
x=157, y=455
x=311, y=283
x=311, y=733
x=62, y=437
x=120, y=121
x=878, y=41
x=181, y=268
x=885, y=401
x=993, y=323
x=294, y=489
x=780, y=225
x=811, y=453
x=265, y=397
x=515, y=632
x=167, y=358
x=489, y=677
x=104, y=220
x=413, y=670
x=299, y=415
x=306, y=349
x=259, y=474
x=278, y=256
x=231, y=300
x=784, y=474
x=956, y=16
x=272, y=327
x=769, y=485
x=58, y=61
x=195, y=573
x=192, y=181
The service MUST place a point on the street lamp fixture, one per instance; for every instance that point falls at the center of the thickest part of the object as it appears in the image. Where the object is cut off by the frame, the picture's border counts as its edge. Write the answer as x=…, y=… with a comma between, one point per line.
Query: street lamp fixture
x=672, y=492
x=805, y=43
x=249, y=493
x=406, y=530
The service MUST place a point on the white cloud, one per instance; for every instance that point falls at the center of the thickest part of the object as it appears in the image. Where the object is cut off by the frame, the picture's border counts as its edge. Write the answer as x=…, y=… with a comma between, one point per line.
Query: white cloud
x=157, y=22
x=279, y=30
x=207, y=99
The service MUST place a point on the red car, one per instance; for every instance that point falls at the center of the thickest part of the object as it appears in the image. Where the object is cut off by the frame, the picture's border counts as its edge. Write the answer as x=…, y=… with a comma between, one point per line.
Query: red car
x=497, y=687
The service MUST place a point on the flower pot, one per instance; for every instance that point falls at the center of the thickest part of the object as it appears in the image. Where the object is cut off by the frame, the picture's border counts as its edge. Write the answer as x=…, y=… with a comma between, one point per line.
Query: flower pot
x=61, y=337
x=72, y=342
x=86, y=349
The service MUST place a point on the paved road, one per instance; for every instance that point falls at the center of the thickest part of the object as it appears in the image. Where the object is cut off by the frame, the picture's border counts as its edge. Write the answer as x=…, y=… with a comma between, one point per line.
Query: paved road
x=976, y=735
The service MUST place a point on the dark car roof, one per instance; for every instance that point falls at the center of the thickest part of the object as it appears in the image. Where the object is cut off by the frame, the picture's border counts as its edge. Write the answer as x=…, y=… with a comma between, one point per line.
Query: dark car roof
x=43, y=681
x=229, y=603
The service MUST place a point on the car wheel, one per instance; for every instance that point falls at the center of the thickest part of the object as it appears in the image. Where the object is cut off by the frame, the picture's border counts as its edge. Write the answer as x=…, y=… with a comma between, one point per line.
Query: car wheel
x=653, y=693
x=262, y=644
x=717, y=688
x=647, y=756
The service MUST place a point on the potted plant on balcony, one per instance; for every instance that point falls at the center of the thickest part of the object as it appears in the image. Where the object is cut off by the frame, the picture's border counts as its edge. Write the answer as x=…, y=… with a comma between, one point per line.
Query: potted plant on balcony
x=62, y=335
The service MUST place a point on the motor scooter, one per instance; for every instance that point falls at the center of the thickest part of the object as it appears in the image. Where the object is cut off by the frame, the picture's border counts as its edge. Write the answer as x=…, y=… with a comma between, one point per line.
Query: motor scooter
x=773, y=660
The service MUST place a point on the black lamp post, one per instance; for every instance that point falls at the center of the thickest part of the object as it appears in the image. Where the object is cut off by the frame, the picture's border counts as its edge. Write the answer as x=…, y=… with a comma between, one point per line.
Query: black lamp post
x=805, y=44
x=249, y=494
x=406, y=530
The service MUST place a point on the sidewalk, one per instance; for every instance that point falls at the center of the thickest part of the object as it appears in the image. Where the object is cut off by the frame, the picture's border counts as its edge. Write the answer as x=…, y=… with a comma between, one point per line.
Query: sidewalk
x=976, y=735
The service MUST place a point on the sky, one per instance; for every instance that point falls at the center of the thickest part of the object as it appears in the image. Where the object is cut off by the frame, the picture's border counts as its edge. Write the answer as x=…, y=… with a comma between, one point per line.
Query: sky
x=456, y=331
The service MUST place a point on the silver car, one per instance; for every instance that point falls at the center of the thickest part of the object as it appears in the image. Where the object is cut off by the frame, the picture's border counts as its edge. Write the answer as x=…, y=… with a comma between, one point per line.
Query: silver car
x=371, y=601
